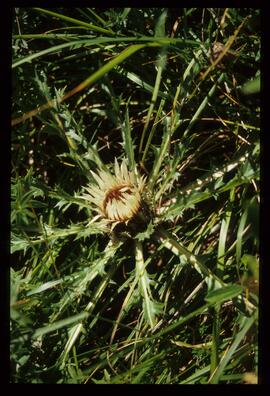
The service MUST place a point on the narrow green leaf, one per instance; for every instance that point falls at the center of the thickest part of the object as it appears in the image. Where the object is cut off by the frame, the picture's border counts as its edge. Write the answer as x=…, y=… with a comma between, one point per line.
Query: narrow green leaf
x=240, y=232
x=223, y=237
x=160, y=66
x=148, y=41
x=203, y=104
x=150, y=307
x=75, y=332
x=151, y=133
x=160, y=25
x=140, y=82
x=74, y=21
x=45, y=286
x=215, y=339
x=58, y=325
x=226, y=358
x=213, y=282
x=224, y=294
x=161, y=154
x=127, y=139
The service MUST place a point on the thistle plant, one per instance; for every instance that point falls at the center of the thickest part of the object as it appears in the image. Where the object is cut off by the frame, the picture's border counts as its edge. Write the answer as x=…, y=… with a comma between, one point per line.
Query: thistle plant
x=118, y=199
x=135, y=196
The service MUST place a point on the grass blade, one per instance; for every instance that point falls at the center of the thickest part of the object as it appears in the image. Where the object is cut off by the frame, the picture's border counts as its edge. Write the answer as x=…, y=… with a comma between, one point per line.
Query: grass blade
x=150, y=308
x=246, y=324
x=74, y=21
x=160, y=67
x=203, y=104
x=75, y=331
x=127, y=139
x=213, y=282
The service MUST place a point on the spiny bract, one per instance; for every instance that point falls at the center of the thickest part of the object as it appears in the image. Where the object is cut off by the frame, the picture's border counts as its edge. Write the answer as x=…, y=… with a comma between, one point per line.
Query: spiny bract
x=117, y=198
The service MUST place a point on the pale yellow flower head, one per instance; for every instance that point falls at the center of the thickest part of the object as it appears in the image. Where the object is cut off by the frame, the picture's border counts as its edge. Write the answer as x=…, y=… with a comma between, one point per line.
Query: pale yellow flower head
x=116, y=197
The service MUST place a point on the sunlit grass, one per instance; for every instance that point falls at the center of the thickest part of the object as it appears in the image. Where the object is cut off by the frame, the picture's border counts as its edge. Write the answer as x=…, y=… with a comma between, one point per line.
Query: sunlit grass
x=172, y=299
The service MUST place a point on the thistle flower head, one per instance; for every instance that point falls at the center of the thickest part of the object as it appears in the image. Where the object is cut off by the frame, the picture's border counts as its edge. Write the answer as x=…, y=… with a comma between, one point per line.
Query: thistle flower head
x=116, y=197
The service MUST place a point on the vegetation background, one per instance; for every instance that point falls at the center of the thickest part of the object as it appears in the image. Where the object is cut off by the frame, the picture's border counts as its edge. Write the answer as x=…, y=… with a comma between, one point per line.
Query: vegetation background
x=176, y=92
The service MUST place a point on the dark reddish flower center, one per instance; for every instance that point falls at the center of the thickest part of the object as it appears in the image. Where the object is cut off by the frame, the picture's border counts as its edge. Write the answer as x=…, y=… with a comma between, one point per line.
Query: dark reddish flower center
x=117, y=193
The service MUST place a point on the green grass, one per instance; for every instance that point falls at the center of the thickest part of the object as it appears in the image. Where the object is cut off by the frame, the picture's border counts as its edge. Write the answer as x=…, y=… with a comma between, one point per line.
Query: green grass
x=178, y=302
